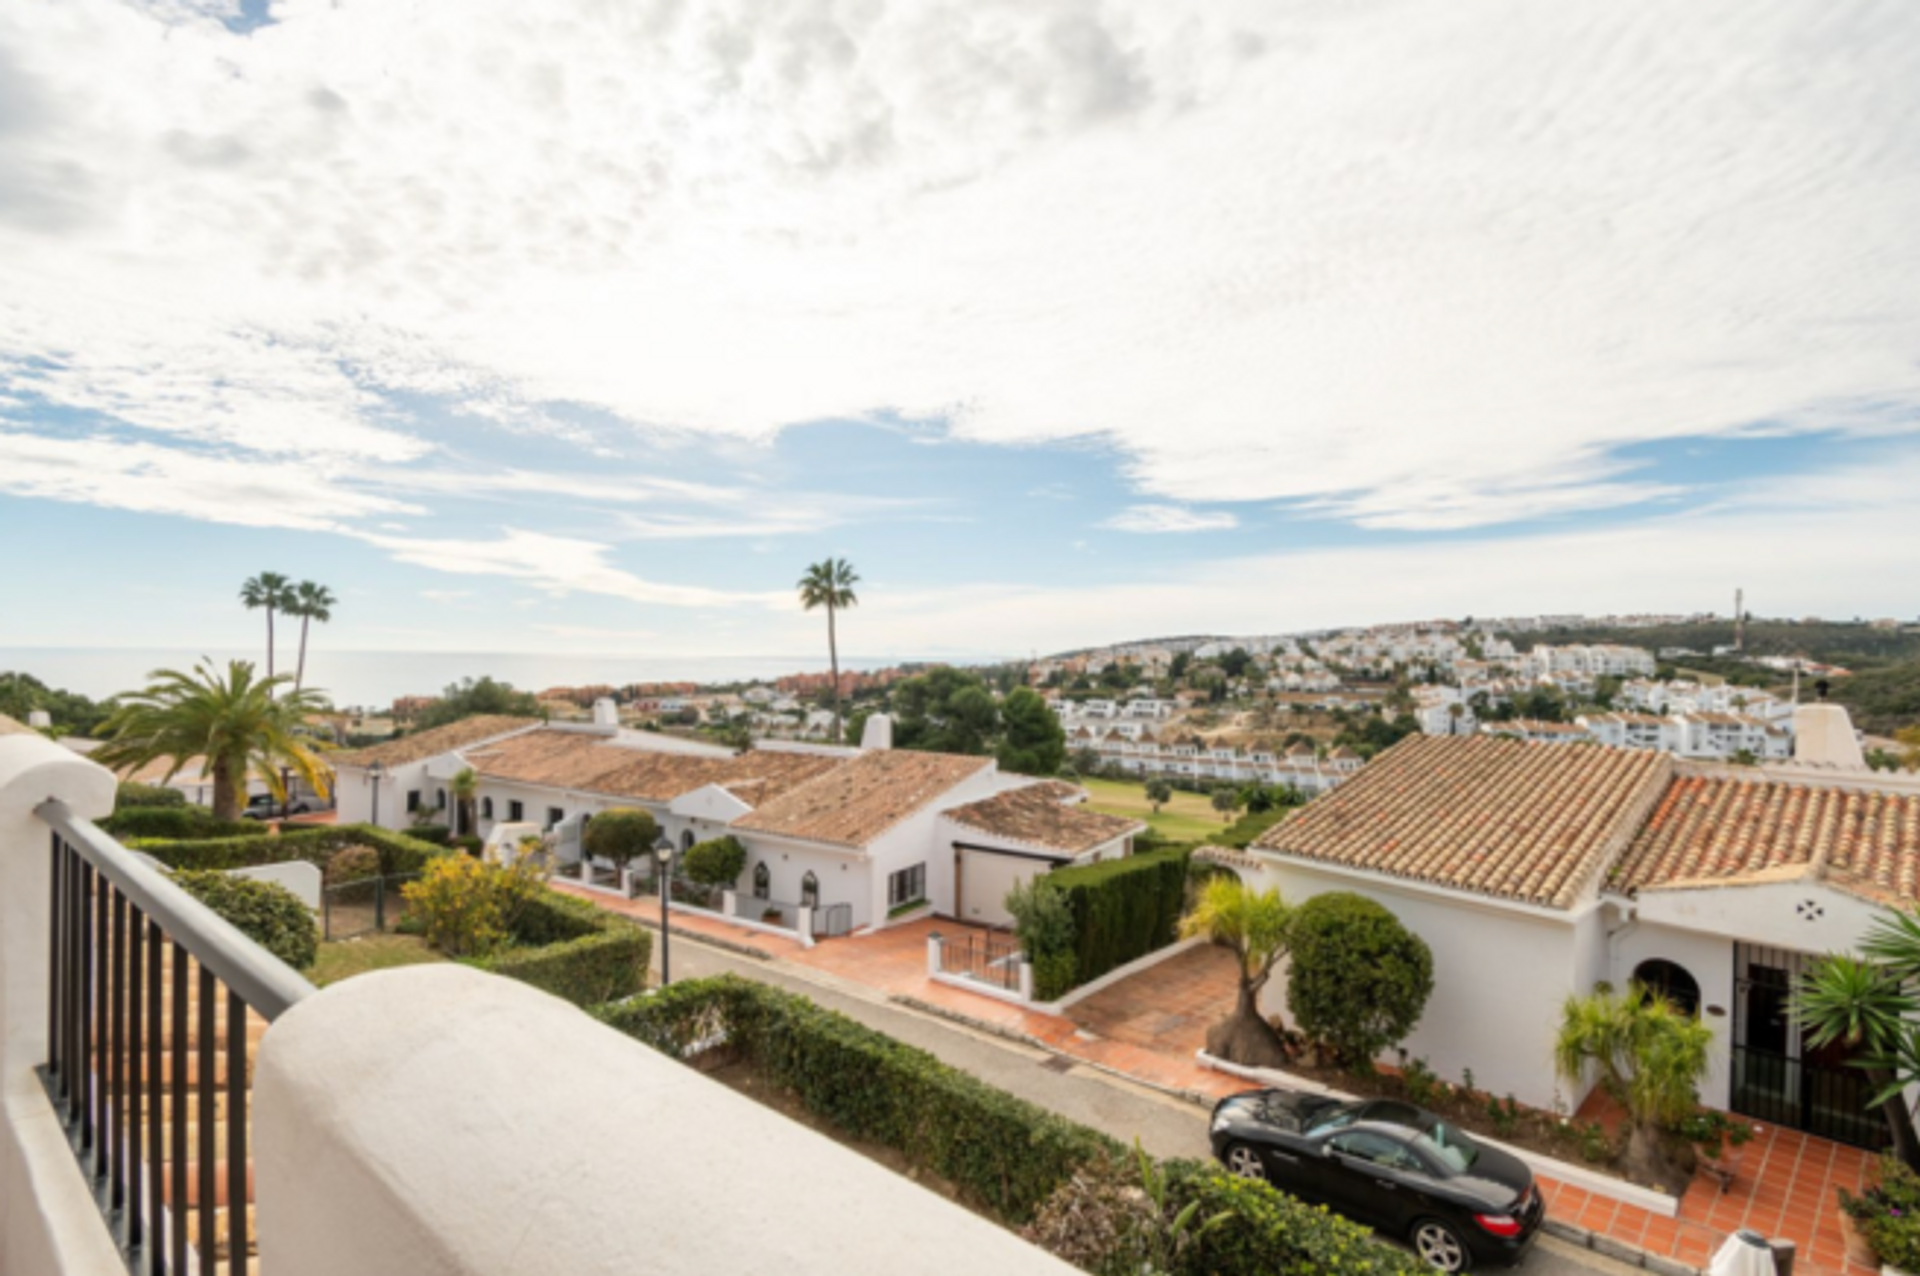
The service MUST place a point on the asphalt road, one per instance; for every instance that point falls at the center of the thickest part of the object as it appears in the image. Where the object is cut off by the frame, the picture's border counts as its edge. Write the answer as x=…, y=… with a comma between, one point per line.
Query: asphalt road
x=1164, y=1125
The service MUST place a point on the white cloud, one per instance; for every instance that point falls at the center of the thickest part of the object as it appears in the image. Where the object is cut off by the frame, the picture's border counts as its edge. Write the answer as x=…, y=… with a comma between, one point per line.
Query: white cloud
x=557, y=565
x=1169, y=518
x=445, y=595
x=1422, y=262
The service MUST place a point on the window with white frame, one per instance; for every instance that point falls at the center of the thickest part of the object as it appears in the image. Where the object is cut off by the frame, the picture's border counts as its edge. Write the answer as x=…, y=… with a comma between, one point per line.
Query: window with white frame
x=908, y=886
x=762, y=882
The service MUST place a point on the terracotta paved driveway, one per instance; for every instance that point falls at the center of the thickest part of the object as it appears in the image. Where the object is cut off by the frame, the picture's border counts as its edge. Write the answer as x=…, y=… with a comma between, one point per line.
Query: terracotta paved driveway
x=1166, y=1008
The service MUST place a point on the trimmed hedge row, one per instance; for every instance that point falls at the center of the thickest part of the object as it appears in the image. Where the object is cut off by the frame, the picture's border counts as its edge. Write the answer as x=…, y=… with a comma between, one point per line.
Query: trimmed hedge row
x=178, y=822
x=1007, y=1155
x=1265, y=1230
x=265, y=912
x=316, y=845
x=1123, y=909
x=1003, y=1152
x=574, y=950
x=129, y=793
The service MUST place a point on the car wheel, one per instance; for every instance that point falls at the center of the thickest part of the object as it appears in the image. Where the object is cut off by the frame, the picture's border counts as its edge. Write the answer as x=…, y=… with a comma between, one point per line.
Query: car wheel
x=1440, y=1246
x=1244, y=1161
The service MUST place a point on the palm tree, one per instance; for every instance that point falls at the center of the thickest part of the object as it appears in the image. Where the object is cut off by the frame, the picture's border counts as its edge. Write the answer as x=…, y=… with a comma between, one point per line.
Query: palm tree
x=310, y=602
x=272, y=591
x=829, y=583
x=464, y=786
x=1650, y=1056
x=1255, y=926
x=234, y=722
x=1862, y=1006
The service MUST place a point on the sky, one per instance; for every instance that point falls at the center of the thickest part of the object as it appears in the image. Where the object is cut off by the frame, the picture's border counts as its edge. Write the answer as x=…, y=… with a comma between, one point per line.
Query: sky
x=585, y=325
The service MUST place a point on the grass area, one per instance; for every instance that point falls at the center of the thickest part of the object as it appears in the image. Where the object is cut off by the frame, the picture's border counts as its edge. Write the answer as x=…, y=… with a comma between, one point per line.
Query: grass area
x=1187, y=817
x=346, y=958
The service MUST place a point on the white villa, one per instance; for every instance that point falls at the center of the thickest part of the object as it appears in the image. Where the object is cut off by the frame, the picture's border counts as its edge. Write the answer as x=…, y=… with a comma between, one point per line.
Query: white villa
x=868, y=835
x=1536, y=872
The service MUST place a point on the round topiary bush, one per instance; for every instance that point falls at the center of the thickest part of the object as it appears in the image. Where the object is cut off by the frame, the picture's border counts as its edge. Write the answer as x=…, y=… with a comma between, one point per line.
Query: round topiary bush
x=716, y=863
x=1359, y=979
x=352, y=864
x=269, y=914
x=622, y=835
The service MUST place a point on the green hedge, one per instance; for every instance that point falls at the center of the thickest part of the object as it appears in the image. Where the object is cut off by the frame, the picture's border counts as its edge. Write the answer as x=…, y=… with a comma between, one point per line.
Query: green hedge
x=316, y=845
x=265, y=912
x=1004, y=1153
x=438, y=834
x=127, y=793
x=178, y=822
x=574, y=950
x=1267, y=1231
x=1123, y=909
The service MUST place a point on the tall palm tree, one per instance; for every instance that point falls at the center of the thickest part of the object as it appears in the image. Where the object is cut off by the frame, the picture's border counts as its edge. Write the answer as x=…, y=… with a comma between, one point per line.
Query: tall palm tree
x=310, y=602
x=1255, y=926
x=235, y=722
x=272, y=591
x=1862, y=1006
x=1650, y=1056
x=829, y=583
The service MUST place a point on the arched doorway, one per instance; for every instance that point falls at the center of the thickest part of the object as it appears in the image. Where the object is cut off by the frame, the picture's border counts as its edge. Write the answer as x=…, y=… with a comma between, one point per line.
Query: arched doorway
x=809, y=891
x=762, y=881
x=1670, y=980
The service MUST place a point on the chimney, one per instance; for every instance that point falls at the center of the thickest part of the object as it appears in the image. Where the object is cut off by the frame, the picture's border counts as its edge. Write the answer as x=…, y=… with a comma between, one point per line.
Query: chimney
x=605, y=713
x=877, y=733
x=1823, y=735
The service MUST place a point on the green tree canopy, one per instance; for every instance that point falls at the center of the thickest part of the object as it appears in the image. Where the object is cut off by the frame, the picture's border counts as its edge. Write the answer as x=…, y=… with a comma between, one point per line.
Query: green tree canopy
x=944, y=711
x=717, y=862
x=1359, y=980
x=72, y=713
x=621, y=835
x=1033, y=742
x=470, y=697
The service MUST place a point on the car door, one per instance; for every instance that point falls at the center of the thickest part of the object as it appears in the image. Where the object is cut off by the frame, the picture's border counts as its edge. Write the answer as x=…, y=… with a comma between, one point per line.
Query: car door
x=1373, y=1177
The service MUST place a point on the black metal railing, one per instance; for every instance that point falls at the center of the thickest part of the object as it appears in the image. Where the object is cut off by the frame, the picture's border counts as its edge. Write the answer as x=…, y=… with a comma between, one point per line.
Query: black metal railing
x=989, y=956
x=147, y=1029
x=1834, y=1103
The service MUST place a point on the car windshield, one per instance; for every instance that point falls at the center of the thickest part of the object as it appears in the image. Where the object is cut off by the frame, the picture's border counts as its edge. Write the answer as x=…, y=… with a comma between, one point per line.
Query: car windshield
x=1447, y=1146
x=1334, y=1119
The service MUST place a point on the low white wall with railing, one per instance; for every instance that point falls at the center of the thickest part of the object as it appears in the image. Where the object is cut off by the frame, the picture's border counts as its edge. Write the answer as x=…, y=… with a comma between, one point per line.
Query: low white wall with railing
x=427, y=1121
x=49, y=1223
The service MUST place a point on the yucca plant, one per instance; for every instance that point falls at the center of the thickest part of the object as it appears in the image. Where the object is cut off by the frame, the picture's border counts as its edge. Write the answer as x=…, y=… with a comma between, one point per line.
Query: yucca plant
x=1255, y=925
x=1649, y=1054
x=234, y=721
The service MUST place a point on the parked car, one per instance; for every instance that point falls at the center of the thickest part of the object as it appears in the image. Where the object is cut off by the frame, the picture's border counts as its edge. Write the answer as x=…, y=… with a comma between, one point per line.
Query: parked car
x=1390, y=1165
x=264, y=806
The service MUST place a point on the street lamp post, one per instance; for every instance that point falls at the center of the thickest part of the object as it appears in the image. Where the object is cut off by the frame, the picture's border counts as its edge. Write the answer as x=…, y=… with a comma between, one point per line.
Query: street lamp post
x=663, y=852
x=376, y=773
x=286, y=794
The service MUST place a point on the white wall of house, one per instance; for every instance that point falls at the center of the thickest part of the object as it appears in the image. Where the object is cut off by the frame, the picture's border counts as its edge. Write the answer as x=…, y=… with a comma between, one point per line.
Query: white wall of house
x=1709, y=959
x=843, y=875
x=1500, y=976
x=917, y=839
x=353, y=790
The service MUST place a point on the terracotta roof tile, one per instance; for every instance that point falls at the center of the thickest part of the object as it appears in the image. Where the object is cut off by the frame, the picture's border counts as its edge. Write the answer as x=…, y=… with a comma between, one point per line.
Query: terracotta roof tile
x=1043, y=814
x=863, y=797
x=595, y=764
x=1712, y=831
x=1500, y=817
x=434, y=741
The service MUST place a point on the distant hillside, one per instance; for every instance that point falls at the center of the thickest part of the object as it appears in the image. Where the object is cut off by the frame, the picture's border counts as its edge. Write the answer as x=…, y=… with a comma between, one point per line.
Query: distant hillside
x=1856, y=646
x=1882, y=701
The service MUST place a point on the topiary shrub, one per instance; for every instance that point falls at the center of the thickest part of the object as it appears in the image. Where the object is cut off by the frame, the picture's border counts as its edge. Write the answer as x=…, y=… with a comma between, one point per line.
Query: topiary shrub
x=622, y=835
x=352, y=864
x=573, y=950
x=718, y=862
x=265, y=912
x=130, y=794
x=1359, y=979
x=438, y=834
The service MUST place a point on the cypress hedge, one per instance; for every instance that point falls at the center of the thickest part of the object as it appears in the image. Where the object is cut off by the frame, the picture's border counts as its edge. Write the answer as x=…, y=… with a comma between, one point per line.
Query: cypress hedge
x=1007, y=1156
x=178, y=822
x=1123, y=909
x=573, y=950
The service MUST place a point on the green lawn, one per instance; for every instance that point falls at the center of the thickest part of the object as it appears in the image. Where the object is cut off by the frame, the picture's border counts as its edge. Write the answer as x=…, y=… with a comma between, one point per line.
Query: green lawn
x=1187, y=817
x=346, y=958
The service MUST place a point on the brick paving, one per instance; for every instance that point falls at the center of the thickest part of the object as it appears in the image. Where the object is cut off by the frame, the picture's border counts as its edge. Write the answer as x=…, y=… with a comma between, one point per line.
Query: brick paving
x=1149, y=1026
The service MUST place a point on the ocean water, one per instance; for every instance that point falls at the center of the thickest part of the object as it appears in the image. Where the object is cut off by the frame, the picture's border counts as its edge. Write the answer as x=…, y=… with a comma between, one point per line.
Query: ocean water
x=375, y=679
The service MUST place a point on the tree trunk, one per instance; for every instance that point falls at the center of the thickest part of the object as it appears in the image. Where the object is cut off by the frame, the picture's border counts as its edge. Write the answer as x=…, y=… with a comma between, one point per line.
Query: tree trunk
x=1906, y=1145
x=833, y=659
x=226, y=800
x=300, y=671
x=1646, y=1160
x=1245, y=1037
x=269, y=642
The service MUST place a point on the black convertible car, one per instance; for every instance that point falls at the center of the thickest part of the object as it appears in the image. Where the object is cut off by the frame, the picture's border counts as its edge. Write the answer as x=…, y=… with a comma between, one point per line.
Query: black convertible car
x=1388, y=1164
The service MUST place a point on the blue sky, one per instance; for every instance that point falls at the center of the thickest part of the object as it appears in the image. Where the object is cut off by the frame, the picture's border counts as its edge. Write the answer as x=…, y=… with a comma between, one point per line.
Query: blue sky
x=552, y=330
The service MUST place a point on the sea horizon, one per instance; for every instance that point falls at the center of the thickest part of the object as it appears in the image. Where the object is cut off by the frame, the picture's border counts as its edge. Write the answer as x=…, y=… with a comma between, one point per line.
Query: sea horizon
x=374, y=678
